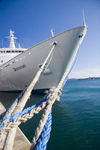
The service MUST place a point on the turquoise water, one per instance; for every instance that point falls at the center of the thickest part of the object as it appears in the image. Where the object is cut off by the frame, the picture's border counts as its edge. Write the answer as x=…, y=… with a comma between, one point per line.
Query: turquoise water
x=76, y=118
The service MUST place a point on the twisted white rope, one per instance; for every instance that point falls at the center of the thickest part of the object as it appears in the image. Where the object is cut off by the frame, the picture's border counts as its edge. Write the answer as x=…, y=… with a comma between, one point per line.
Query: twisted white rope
x=23, y=118
x=26, y=96
x=42, y=122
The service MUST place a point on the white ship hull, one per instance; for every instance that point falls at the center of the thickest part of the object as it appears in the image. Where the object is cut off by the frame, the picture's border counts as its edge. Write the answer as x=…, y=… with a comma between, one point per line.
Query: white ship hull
x=17, y=73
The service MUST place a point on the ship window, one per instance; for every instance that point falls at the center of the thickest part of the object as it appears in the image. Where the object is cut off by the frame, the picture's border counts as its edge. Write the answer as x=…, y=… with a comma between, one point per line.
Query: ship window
x=11, y=51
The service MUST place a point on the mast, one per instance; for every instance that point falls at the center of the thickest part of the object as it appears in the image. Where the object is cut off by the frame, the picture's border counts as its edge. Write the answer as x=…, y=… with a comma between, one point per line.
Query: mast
x=84, y=22
x=52, y=33
x=12, y=40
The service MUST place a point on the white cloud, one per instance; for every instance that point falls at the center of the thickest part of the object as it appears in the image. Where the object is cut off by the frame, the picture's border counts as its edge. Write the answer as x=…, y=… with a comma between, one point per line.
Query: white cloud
x=85, y=73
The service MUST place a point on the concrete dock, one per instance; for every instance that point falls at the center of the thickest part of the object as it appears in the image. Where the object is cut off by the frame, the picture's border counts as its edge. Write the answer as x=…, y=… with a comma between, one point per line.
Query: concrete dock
x=21, y=142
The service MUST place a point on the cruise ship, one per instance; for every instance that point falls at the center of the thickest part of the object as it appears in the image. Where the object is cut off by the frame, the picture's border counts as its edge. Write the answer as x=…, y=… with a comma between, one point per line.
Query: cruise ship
x=18, y=66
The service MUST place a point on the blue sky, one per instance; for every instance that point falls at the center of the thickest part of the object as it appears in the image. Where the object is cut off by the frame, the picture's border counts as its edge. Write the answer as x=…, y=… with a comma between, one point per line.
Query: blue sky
x=32, y=20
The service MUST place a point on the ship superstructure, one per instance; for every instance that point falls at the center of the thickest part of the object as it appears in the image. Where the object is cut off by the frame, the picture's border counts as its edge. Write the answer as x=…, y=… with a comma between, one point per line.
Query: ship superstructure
x=8, y=53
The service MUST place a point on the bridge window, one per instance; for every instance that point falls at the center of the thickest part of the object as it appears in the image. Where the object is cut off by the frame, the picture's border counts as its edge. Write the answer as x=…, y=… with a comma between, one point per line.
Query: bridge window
x=11, y=51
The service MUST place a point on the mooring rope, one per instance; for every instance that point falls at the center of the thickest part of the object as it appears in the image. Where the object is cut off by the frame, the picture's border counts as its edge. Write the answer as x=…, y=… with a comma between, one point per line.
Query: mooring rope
x=42, y=132
x=20, y=105
x=44, y=117
x=8, y=114
x=41, y=143
x=24, y=115
x=28, y=113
